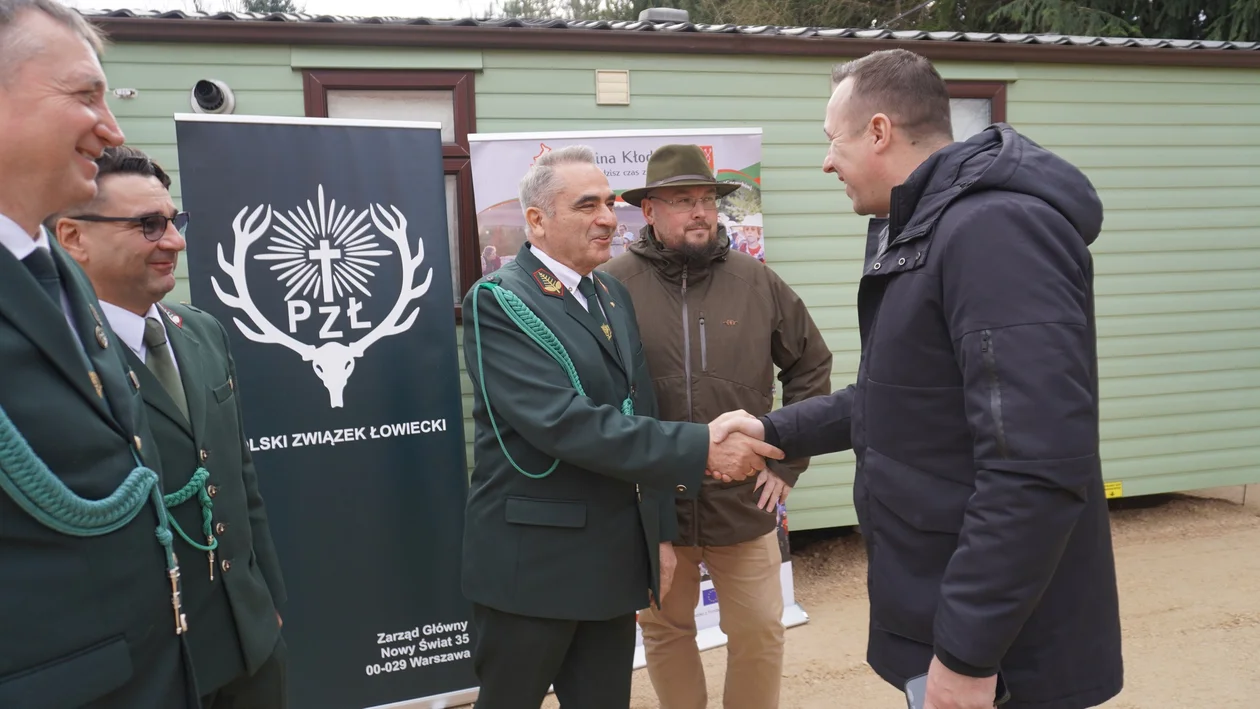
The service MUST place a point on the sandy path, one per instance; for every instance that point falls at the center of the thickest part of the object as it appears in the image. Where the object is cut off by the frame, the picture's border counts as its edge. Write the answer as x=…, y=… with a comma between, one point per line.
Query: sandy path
x=1189, y=571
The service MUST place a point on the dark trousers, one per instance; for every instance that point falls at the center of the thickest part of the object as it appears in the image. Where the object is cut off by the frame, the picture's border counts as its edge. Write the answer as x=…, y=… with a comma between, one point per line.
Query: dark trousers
x=518, y=657
x=265, y=689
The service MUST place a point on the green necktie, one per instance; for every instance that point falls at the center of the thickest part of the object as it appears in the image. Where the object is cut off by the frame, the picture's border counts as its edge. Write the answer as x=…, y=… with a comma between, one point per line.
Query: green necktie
x=586, y=287
x=159, y=361
x=41, y=265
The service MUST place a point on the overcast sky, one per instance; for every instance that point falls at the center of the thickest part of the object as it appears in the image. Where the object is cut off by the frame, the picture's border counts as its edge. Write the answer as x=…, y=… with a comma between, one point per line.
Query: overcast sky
x=437, y=9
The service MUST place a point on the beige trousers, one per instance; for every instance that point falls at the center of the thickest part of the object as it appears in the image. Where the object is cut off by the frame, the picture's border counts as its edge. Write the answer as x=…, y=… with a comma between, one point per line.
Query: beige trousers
x=750, y=603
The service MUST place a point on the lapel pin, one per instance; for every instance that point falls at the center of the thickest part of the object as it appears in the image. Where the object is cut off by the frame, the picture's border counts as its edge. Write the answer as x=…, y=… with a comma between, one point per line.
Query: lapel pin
x=96, y=384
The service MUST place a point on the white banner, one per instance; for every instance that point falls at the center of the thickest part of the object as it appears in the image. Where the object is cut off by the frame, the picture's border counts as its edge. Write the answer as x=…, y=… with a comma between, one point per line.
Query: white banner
x=500, y=160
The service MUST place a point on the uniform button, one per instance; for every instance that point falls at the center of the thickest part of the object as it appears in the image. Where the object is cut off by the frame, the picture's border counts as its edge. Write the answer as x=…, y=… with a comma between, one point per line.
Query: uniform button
x=212, y=490
x=135, y=381
x=220, y=529
x=876, y=266
x=100, y=338
x=137, y=441
x=681, y=488
x=226, y=565
x=204, y=454
x=901, y=261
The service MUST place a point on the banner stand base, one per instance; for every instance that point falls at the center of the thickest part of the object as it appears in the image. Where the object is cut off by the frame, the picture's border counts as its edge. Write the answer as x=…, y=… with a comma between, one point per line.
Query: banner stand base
x=450, y=700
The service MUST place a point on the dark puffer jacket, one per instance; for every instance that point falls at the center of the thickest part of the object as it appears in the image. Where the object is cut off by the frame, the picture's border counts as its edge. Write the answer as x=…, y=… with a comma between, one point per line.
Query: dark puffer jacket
x=974, y=421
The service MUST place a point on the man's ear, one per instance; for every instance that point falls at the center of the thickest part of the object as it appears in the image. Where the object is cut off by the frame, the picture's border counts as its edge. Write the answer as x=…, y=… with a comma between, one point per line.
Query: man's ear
x=881, y=130
x=69, y=234
x=533, y=220
x=648, y=212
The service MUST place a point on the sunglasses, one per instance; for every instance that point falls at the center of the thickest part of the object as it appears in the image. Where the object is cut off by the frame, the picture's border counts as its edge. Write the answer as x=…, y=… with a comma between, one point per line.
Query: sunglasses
x=152, y=225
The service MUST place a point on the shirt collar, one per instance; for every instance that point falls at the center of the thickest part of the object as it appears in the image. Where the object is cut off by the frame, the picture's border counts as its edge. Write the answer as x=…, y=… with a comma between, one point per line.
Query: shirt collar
x=567, y=276
x=130, y=327
x=17, y=241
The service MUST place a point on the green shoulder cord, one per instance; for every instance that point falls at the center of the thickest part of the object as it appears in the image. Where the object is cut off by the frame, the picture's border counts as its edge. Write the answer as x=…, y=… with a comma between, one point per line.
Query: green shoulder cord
x=196, y=486
x=29, y=482
x=537, y=331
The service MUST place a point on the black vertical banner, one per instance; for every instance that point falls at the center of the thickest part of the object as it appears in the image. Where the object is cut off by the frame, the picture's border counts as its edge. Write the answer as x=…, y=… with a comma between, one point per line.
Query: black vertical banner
x=322, y=247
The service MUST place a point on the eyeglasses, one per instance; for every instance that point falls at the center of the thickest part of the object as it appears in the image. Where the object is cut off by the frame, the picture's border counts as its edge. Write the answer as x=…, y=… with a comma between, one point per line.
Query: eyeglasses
x=687, y=204
x=152, y=225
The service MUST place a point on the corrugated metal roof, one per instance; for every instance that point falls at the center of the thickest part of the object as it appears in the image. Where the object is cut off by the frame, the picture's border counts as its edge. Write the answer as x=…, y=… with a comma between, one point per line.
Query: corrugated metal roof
x=684, y=27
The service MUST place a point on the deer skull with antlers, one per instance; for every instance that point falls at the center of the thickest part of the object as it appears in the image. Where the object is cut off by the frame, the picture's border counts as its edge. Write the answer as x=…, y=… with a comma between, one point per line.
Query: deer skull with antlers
x=333, y=362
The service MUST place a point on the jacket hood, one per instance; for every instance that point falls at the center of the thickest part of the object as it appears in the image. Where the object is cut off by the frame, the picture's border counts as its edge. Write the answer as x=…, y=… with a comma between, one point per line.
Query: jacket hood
x=670, y=263
x=996, y=159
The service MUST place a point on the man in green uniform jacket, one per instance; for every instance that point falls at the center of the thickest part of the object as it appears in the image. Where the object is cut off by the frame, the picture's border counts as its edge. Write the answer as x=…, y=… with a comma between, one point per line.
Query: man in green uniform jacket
x=128, y=241
x=88, y=617
x=573, y=488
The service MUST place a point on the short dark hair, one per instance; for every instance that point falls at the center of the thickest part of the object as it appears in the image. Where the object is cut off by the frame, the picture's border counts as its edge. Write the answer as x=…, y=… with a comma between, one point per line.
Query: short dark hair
x=126, y=160
x=117, y=160
x=16, y=49
x=903, y=85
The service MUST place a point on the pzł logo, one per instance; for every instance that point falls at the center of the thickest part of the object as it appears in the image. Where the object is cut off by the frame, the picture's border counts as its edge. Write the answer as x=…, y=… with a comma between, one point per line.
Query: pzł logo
x=327, y=260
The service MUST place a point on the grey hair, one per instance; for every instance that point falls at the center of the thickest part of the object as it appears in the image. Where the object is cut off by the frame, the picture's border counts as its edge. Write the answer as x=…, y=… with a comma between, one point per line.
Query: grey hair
x=16, y=48
x=540, y=184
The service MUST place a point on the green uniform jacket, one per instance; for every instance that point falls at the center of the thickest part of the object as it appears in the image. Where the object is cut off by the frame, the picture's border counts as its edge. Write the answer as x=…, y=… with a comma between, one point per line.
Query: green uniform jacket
x=232, y=619
x=84, y=621
x=578, y=544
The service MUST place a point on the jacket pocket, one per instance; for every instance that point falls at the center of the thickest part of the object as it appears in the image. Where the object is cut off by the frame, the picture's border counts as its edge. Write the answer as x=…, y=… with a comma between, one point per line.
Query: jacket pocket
x=704, y=347
x=72, y=680
x=222, y=392
x=989, y=357
x=545, y=513
x=914, y=518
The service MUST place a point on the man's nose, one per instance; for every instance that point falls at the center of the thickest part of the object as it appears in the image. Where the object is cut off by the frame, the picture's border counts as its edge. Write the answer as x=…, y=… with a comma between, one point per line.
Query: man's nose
x=107, y=128
x=172, y=240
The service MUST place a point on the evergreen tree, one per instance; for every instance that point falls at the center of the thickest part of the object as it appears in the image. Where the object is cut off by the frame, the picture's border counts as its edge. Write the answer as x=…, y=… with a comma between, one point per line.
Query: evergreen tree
x=266, y=6
x=1237, y=20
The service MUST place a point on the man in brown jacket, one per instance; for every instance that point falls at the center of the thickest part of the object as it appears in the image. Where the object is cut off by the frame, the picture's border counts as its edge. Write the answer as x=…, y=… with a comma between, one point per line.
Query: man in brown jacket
x=715, y=323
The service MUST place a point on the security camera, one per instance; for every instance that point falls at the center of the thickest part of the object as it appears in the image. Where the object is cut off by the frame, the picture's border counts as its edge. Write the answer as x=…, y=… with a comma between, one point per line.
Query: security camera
x=212, y=96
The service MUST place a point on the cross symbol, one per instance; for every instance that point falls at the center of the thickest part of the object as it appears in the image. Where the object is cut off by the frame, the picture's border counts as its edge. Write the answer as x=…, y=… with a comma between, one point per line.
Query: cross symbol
x=325, y=256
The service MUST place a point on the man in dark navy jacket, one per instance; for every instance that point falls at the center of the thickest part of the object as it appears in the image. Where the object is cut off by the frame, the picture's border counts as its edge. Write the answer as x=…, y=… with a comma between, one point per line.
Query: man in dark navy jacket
x=974, y=418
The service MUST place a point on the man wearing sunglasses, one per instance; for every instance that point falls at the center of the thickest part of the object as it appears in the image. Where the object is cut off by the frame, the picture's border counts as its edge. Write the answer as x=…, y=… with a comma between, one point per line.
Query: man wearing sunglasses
x=128, y=240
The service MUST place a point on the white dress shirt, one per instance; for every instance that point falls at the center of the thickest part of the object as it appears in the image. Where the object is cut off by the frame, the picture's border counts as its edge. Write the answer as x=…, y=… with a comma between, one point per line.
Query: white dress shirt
x=567, y=276
x=21, y=245
x=130, y=329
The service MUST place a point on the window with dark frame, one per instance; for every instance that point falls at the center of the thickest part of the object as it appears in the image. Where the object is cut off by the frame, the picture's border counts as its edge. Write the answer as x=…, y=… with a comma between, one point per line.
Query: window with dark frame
x=976, y=104
x=446, y=97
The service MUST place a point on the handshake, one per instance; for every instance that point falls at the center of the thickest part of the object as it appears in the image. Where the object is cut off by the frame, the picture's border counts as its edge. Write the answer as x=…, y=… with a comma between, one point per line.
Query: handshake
x=737, y=449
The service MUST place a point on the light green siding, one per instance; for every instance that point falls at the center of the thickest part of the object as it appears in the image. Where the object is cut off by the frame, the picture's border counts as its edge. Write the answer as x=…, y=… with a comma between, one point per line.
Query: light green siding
x=1172, y=150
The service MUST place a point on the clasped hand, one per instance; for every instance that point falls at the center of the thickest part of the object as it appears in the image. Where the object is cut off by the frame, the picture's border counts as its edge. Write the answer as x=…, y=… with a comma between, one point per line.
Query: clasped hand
x=737, y=449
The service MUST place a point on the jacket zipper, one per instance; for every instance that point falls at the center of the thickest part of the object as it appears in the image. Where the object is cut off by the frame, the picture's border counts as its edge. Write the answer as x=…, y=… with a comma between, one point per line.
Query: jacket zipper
x=704, y=346
x=995, y=390
x=686, y=325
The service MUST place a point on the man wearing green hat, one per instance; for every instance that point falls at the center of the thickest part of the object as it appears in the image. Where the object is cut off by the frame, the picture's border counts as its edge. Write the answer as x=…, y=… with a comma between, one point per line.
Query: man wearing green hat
x=715, y=324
